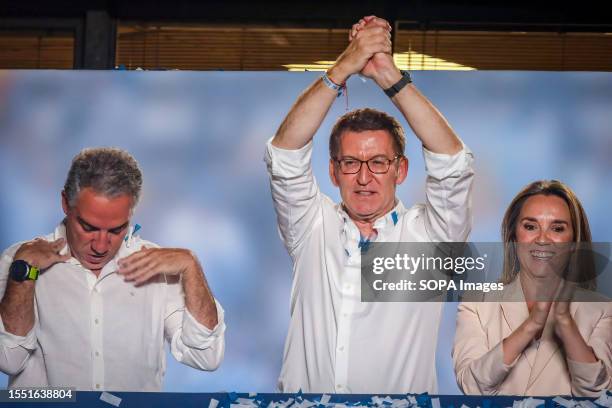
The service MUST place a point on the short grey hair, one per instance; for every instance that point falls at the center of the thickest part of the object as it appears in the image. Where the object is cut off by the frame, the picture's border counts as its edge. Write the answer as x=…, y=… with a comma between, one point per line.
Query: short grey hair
x=109, y=171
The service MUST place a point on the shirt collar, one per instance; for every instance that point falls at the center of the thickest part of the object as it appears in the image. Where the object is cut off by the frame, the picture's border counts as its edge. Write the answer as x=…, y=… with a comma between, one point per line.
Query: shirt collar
x=111, y=266
x=388, y=220
x=352, y=240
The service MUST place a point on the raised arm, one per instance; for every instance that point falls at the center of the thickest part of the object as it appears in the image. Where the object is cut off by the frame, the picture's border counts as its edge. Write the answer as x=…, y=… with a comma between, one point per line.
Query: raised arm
x=448, y=215
x=308, y=112
x=294, y=190
x=424, y=119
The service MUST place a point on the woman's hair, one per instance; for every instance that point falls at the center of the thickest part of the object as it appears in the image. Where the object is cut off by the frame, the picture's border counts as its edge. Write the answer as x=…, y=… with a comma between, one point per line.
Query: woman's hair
x=582, y=256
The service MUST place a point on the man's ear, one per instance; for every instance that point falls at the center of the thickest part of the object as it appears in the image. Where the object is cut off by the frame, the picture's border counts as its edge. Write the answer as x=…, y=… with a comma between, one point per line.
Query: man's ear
x=65, y=204
x=402, y=170
x=332, y=172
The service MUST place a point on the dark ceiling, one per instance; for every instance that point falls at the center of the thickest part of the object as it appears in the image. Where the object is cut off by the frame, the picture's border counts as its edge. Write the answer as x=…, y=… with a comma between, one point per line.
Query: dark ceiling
x=94, y=23
x=559, y=16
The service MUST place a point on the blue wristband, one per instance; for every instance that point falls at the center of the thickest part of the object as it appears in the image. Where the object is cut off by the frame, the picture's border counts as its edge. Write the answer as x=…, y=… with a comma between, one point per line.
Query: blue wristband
x=332, y=85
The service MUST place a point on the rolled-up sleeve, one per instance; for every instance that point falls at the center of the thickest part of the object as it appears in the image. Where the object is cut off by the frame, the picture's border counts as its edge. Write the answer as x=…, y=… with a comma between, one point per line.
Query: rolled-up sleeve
x=448, y=195
x=295, y=192
x=198, y=346
x=590, y=379
x=14, y=350
x=191, y=342
x=479, y=370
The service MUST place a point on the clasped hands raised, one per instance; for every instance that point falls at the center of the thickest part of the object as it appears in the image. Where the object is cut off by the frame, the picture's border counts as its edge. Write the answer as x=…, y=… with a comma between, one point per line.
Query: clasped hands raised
x=369, y=53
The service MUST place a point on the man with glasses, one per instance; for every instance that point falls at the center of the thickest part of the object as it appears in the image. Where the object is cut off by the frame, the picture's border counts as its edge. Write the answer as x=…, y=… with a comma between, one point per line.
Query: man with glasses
x=335, y=342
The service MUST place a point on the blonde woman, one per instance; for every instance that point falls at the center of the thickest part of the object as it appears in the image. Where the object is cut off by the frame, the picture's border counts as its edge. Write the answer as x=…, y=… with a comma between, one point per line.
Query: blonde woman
x=533, y=345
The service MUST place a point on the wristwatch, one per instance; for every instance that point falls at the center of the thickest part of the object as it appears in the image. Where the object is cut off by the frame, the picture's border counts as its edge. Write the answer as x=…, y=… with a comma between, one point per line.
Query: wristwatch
x=21, y=271
x=395, y=88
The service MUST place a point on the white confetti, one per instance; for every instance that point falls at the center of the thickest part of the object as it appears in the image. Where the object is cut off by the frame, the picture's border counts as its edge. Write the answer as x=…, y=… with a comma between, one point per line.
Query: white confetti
x=325, y=399
x=605, y=400
x=246, y=402
x=285, y=404
x=307, y=403
x=586, y=404
x=213, y=403
x=400, y=403
x=528, y=403
x=563, y=402
x=110, y=398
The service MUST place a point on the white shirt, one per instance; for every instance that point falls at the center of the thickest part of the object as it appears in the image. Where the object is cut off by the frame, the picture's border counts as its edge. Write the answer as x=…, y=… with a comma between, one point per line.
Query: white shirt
x=104, y=333
x=335, y=342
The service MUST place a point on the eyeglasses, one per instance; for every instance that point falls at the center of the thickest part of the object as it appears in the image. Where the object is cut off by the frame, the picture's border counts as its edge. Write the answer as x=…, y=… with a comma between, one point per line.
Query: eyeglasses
x=376, y=165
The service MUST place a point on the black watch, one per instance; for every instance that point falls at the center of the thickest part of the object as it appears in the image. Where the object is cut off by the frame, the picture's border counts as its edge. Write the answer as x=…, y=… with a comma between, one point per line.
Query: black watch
x=395, y=88
x=21, y=271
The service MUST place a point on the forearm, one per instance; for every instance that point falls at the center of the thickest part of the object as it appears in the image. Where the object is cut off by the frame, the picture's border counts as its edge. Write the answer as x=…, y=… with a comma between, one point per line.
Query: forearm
x=575, y=347
x=478, y=366
x=424, y=119
x=482, y=375
x=17, y=307
x=515, y=343
x=198, y=297
x=307, y=114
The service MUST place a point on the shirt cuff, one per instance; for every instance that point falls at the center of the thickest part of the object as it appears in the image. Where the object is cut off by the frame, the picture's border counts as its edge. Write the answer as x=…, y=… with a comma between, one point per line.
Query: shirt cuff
x=494, y=370
x=196, y=335
x=441, y=166
x=286, y=162
x=12, y=340
x=586, y=374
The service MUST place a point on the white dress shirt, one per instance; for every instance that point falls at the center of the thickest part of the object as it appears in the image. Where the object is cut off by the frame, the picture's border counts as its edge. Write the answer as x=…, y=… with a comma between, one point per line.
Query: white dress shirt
x=335, y=342
x=104, y=333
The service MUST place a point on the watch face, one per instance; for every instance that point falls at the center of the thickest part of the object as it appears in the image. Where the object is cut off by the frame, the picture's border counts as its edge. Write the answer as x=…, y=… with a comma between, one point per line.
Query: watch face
x=19, y=270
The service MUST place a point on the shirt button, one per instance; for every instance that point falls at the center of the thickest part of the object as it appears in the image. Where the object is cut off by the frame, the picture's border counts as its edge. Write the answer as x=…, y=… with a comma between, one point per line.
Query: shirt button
x=97, y=385
x=97, y=354
x=344, y=314
x=96, y=321
x=339, y=386
x=341, y=348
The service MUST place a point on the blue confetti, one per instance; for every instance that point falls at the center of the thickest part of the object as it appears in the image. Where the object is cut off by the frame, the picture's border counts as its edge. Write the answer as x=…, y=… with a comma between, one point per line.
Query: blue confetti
x=232, y=396
x=394, y=217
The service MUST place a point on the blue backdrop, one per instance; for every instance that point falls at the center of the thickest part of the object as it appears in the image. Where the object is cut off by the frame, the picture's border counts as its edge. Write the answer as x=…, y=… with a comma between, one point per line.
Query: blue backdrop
x=199, y=137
